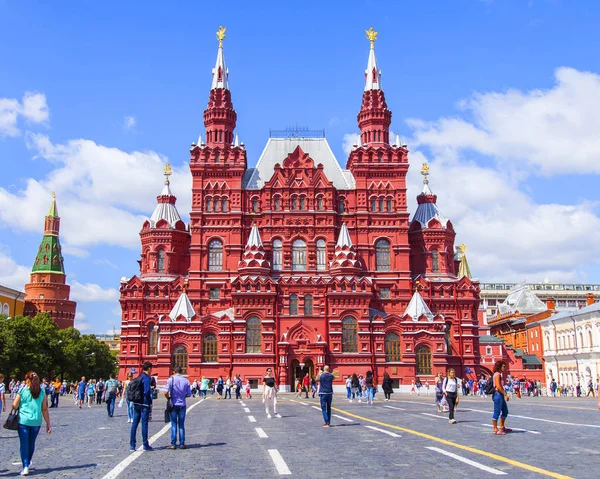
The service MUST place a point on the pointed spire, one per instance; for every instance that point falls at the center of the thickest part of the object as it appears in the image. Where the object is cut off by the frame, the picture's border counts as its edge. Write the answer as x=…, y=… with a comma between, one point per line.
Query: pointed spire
x=199, y=139
x=254, y=260
x=165, y=209
x=398, y=143
x=344, y=237
x=183, y=307
x=417, y=308
x=427, y=208
x=220, y=72
x=463, y=267
x=237, y=140
x=372, y=73
x=53, y=211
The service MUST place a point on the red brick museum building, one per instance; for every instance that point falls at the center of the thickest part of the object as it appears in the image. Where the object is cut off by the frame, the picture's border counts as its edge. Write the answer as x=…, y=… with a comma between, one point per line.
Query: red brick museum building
x=297, y=262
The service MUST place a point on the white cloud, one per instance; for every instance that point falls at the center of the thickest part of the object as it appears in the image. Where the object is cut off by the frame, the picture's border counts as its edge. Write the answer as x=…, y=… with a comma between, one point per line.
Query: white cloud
x=32, y=108
x=91, y=292
x=350, y=139
x=81, y=324
x=98, y=201
x=552, y=131
x=12, y=274
x=129, y=122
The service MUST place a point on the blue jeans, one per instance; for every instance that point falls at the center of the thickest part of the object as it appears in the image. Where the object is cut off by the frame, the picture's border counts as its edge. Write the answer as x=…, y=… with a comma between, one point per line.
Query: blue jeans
x=27, y=437
x=142, y=413
x=370, y=394
x=110, y=403
x=177, y=420
x=326, y=407
x=129, y=410
x=349, y=392
x=500, y=406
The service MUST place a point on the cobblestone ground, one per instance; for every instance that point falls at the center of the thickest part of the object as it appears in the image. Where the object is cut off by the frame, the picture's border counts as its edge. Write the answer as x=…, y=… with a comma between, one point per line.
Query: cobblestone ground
x=402, y=438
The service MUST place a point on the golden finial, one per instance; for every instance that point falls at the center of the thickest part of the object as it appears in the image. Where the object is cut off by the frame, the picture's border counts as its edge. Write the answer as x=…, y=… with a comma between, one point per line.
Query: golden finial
x=425, y=172
x=221, y=35
x=53, y=195
x=462, y=248
x=417, y=283
x=185, y=286
x=167, y=170
x=371, y=36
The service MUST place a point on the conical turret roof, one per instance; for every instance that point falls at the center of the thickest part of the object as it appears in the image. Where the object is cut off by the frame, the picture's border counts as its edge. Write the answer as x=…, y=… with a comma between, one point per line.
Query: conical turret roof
x=254, y=260
x=183, y=307
x=49, y=258
x=417, y=308
x=165, y=209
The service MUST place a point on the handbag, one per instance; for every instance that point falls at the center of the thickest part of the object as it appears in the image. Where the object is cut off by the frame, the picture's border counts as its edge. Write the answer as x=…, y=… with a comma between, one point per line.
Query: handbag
x=167, y=416
x=12, y=421
x=121, y=402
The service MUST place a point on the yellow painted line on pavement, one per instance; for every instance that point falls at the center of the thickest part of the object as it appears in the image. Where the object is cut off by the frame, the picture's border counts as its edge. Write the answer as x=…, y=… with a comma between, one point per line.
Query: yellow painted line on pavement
x=491, y=455
x=539, y=405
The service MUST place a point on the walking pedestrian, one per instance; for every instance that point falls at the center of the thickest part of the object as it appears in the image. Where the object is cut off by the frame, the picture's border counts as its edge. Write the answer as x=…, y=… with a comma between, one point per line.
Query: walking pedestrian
x=349, y=388
x=450, y=389
x=56, y=391
x=590, y=389
x=31, y=403
x=306, y=384
x=140, y=394
x=204, y=382
x=325, y=381
x=81, y=391
x=355, y=385
x=220, y=387
x=500, y=400
x=129, y=403
x=387, y=386
x=270, y=393
x=2, y=394
x=111, y=394
x=238, y=386
x=369, y=386
x=228, y=387
x=91, y=392
x=178, y=389
x=248, y=389
x=439, y=391
x=99, y=391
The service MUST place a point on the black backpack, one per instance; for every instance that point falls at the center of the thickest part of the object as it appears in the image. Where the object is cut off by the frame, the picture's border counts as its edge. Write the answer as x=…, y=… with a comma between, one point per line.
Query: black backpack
x=135, y=391
x=489, y=387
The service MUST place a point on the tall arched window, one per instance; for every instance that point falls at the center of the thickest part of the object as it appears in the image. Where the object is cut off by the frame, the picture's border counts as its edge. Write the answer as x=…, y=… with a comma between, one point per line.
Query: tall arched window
x=6, y=310
x=180, y=358
x=293, y=305
x=423, y=361
x=217, y=205
x=590, y=339
x=320, y=203
x=342, y=205
x=277, y=255
x=382, y=255
x=152, y=339
x=448, y=338
x=277, y=203
x=224, y=204
x=209, y=348
x=373, y=204
x=392, y=347
x=294, y=203
x=253, y=335
x=299, y=255
x=321, y=255
x=308, y=305
x=208, y=205
x=302, y=203
x=381, y=208
x=435, y=261
x=255, y=205
x=161, y=260
x=389, y=205
x=349, y=335
x=215, y=256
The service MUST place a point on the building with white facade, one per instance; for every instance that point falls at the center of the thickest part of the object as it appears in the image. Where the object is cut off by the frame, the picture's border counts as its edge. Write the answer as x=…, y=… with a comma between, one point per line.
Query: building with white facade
x=572, y=346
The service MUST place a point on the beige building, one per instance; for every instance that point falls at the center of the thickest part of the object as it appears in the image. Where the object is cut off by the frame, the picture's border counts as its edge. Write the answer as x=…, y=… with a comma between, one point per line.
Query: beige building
x=113, y=341
x=572, y=346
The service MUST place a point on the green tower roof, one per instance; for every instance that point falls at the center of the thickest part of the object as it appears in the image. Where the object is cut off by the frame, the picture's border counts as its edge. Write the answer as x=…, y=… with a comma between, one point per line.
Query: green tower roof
x=49, y=258
x=53, y=211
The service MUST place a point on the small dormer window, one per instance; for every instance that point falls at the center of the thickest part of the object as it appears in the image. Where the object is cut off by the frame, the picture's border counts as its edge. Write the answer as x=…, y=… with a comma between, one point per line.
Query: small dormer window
x=217, y=157
x=374, y=75
x=220, y=74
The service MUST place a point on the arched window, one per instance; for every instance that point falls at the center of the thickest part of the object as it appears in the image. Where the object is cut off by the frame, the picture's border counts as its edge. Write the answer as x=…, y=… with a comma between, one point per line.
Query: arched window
x=217, y=156
x=293, y=305
x=435, y=261
x=6, y=310
x=382, y=254
x=217, y=205
x=321, y=255
x=392, y=347
x=342, y=205
x=224, y=204
x=255, y=205
x=299, y=255
x=294, y=203
x=379, y=157
x=349, y=335
x=253, y=335
x=381, y=208
x=215, y=256
x=209, y=348
x=423, y=361
x=161, y=260
x=180, y=358
x=320, y=203
x=308, y=305
x=302, y=203
x=208, y=205
x=389, y=205
x=152, y=339
x=590, y=338
x=373, y=204
x=277, y=203
x=277, y=255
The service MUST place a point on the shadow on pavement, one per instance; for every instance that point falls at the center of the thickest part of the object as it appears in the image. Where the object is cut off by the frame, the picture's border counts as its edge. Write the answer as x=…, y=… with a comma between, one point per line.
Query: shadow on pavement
x=40, y=471
x=202, y=446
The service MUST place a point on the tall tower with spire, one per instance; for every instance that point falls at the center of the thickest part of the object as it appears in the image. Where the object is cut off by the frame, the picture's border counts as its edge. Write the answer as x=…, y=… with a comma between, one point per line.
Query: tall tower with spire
x=47, y=291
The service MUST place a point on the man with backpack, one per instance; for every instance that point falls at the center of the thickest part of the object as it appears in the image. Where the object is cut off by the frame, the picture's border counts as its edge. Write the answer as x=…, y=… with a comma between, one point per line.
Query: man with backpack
x=139, y=394
x=111, y=394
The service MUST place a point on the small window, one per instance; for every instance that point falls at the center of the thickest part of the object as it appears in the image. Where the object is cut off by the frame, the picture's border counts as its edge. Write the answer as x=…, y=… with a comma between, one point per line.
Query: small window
x=435, y=261
x=293, y=305
x=373, y=204
x=384, y=293
x=389, y=205
x=255, y=205
x=208, y=205
x=224, y=204
x=217, y=157
x=342, y=205
x=379, y=158
x=161, y=261
x=381, y=205
x=321, y=255
x=423, y=354
x=488, y=350
x=294, y=204
x=217, y=205
x=302, y=204
x=320, y=203
x=277, y=203
x=215, y=293
x=308, y=305
x=277, y=255
x=180, y=358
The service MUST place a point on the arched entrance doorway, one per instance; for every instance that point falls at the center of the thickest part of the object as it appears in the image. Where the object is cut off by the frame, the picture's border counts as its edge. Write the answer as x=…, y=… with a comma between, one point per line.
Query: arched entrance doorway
x=299, y=370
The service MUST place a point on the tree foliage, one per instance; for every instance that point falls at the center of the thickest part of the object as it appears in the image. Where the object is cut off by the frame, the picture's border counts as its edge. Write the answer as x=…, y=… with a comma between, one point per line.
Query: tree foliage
x=36, y=344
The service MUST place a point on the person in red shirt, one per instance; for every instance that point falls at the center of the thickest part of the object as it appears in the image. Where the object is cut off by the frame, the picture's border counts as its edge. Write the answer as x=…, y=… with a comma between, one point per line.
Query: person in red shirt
x=306, y=384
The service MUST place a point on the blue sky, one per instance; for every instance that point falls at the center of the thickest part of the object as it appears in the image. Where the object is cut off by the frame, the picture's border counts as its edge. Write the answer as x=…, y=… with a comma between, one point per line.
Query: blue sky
x=502, y=98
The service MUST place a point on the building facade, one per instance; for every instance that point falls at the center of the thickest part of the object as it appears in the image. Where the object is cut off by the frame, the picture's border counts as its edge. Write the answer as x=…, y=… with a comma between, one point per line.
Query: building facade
x=48, y=291
x=572, y=346
x=297, y=262
x=12, y=302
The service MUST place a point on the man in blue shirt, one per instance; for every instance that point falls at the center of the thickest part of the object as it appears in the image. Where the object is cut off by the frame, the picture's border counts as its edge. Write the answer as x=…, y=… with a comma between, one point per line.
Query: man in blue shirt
x=111, y=394
x=178, y=388
x=325, y=381
x=142, y=411
x=81, y=388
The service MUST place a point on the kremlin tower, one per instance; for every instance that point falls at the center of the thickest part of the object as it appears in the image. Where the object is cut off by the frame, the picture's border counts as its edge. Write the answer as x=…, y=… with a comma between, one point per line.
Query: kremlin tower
x=48, y=292
x=297, y=262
